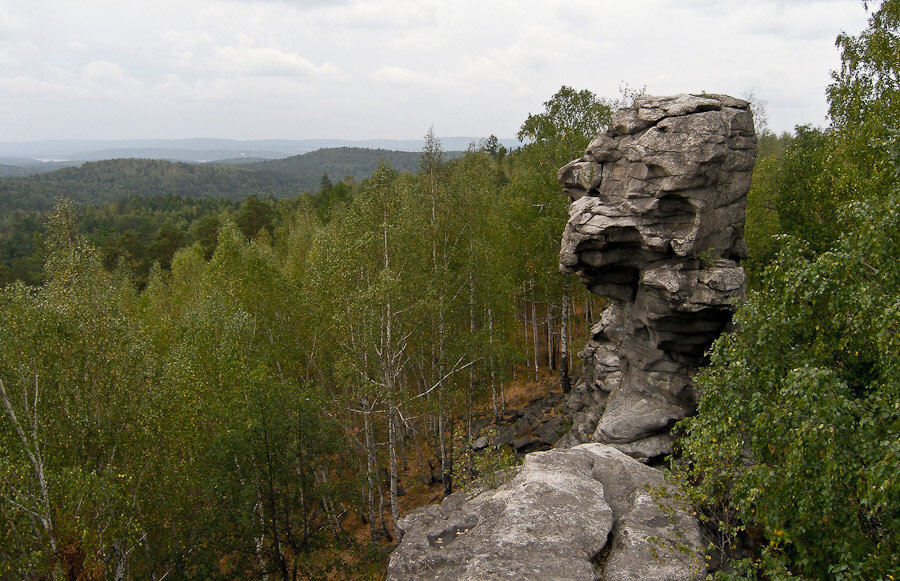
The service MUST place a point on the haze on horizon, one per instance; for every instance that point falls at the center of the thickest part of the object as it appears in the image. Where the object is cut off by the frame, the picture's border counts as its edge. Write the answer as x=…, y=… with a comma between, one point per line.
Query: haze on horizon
x=390, y=69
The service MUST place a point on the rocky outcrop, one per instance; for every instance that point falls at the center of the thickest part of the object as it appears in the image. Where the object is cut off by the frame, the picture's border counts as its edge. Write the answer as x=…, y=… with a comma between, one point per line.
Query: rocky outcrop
x=554, y=520
x=656, y=225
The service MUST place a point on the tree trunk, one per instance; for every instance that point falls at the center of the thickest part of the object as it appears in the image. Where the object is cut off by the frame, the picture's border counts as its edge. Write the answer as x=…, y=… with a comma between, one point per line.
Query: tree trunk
x=328, y=505
x=446, y=459
x=420, y=459
x=549, y=338
x=534, y=332
x=564, y=341
x=370, y=467
x=470, y=408
x=384, y=527
x=276, y=538
x=588, y=315
x=260, y=540
x=32, y=450
x=525, y=334
x=491, y=362
x=392, y=448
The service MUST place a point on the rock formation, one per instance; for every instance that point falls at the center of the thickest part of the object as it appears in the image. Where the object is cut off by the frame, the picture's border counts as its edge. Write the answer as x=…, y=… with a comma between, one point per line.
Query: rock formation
x=656, y=225
x=552, y=521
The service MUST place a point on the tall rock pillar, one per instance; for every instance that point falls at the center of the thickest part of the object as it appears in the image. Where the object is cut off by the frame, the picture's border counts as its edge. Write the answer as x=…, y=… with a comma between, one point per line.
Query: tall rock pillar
x=656, y=226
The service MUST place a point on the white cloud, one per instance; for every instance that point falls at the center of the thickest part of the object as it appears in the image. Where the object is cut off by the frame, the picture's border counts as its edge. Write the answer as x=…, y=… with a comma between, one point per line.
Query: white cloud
x=8, y=61
x=18, y=87
x=404, y=77
x=391, y=68
x=382, y=15
x=107, y=80
x=266, y=62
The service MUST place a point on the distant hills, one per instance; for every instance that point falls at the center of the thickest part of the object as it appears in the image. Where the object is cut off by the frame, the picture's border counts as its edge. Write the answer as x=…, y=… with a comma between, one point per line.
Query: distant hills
x=41, y=156
x=17, y=166
x=99, y=182
x=305, y=171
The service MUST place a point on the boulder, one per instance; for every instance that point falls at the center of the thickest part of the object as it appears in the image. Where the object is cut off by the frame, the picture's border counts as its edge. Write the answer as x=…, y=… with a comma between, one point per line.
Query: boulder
x=553, y=521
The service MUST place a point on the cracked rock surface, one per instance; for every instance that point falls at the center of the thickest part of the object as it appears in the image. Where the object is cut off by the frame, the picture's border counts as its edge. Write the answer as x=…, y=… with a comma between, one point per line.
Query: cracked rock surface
x=656, y=226
x=552, y=521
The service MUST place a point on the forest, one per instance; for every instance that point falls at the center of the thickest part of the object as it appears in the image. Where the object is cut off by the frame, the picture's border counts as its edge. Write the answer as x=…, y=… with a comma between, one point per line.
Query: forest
x=145, y=209
x=252, y=386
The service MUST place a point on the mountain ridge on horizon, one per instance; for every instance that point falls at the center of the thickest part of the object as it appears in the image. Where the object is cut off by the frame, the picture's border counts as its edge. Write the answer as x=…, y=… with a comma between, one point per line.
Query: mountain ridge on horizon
x=202, y=149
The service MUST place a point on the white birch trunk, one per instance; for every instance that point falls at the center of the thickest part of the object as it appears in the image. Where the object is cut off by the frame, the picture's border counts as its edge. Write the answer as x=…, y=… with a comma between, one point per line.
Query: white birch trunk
x=564, y=341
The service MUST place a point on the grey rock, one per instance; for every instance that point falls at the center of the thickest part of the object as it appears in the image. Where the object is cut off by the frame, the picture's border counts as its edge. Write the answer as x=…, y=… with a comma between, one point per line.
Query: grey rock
x=660, y=235
x=549, y=431
x=552, y=520
x=548, y=522
x=648, y=449
x=505, y=435
x=655, y=535
x=522, y=443
x=585, y=175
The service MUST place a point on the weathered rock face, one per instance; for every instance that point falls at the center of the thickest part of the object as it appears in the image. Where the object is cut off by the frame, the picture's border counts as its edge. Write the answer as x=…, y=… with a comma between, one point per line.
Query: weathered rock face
x=552, y=521
x=656, y=225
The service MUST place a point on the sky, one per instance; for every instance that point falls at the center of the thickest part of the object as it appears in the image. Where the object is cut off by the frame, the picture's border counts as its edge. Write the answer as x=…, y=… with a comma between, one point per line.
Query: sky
x=367, y=69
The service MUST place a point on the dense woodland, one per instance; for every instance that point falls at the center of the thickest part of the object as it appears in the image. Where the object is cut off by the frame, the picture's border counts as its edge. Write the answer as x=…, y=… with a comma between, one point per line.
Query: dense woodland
x=221, y=389
x=142, y=210
x=245, y=386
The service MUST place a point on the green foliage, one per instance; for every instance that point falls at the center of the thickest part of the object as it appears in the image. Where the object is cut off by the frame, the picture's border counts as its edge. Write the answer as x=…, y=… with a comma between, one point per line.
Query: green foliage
x=796, y=432
x=795, y=191
x=118, y=179
x=141, y=211
x=796, y=437
x=219, y=386
x=797, y=427
x=255, y=216
x=864, y=101
x=805, y=199
x=132, y=233
x=73, y=361
x=569, y=116
x=801, y=181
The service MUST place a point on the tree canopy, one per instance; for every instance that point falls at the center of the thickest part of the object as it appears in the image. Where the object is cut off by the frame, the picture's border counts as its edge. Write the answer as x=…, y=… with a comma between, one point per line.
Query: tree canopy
x=795, y=443
x=569, y=115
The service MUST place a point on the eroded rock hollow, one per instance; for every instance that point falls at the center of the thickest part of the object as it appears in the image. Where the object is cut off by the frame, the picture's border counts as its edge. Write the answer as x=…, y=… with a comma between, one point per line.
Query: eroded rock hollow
x=656, y=226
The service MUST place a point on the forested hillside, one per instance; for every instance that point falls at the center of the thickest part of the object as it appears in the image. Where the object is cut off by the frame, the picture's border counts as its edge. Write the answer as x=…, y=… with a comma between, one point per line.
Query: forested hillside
x=249, y=387
x=262, y=397
x=142, y=210
x=113, y=180
x=337, y=163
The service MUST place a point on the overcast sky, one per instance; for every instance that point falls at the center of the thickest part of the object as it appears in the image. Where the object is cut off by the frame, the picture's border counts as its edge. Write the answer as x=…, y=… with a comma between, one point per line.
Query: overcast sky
x=297, y=69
